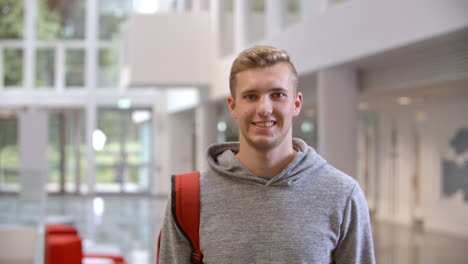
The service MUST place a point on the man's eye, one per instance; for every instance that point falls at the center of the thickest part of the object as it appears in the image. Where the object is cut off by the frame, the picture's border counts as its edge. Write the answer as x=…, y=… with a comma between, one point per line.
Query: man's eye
x=279, y=95
x=250, y=97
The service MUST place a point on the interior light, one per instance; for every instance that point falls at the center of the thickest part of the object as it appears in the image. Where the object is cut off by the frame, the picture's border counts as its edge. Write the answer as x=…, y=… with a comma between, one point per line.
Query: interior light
x=124, y=104
x=404, y=100
x=222, y=126
x=145, y=6
x=141, y=116
x=307, y=127
x=98, y=206
x=363, y=106
x=420, y=117
x=99, y=140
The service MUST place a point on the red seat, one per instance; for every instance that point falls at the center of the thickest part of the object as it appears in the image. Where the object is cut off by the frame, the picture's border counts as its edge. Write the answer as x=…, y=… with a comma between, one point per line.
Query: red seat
x=60, y=229
x=63, y=249
x=63, y=246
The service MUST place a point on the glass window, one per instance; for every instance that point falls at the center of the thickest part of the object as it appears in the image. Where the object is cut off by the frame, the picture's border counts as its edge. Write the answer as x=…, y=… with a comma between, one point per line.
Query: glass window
x=123, y=161
x=293, y=14
x=60, y=19
x=112, y=13
x=9, y=156
x=108, y=76
x=13, y=67
x=11, y=24
x=257, y=21
x=75, y=68
x=66, y=150
x=53, y=151
x=45, y=70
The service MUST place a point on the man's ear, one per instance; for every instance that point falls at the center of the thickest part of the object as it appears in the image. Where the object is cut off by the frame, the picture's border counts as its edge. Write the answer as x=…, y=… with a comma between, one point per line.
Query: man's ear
x=298, y=104
x=232, y=106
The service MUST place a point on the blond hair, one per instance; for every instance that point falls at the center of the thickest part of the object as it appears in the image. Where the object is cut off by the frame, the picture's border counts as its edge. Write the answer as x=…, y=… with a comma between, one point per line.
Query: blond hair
x=259, y=56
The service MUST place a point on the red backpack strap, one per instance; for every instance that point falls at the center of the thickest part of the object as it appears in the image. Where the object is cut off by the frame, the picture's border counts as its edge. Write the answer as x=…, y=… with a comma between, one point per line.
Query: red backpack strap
x=186, y=210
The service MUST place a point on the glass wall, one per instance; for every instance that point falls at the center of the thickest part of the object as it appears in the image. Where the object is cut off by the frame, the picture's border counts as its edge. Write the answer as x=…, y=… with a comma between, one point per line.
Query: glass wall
x=75, y=68
x=12, y=14
x=123, y=150
x=12, y=67
x=45, y=68
x=9, y=155
x=293, y=12
x=67, y=151
x=60, y=19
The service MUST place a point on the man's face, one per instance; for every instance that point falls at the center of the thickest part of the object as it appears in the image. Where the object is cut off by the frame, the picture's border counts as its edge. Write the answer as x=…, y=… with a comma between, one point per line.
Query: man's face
x=264, y=104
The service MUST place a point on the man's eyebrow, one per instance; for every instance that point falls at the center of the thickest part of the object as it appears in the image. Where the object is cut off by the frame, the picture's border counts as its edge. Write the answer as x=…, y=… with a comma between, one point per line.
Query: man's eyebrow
x=250, y=91
x=279, y=89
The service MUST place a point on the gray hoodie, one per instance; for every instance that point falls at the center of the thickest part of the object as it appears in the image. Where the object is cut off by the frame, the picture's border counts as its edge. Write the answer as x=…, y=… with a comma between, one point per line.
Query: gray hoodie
x=309, y=213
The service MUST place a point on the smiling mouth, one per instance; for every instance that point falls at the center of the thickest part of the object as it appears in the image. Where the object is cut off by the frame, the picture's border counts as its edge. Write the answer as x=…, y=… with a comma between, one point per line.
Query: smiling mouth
x=265, y=124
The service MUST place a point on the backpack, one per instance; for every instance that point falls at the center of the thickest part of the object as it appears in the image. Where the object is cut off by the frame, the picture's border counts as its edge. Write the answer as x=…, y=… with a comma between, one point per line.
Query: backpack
x=185, y=201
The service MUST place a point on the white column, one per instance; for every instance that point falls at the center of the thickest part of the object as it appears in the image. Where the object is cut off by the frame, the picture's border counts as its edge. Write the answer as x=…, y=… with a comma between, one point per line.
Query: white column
x=216, y=20
x=241, y=23
x=29, y=55
x=337, y=118
x=59, y=67
x=274, y=17
x=205, y=127
x=91, y=44
x=33, y=140
x=91, y=69
x=90, y=127
x=161, y=178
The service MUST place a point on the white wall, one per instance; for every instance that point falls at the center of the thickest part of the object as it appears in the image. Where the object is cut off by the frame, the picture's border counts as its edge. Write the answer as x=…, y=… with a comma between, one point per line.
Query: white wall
x=396, y=200
x=169, y=49
x=181, y=148
x=357, y=29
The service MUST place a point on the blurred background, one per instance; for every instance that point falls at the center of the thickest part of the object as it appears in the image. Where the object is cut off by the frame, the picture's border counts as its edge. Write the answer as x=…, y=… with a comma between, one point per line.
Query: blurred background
x=102, y=100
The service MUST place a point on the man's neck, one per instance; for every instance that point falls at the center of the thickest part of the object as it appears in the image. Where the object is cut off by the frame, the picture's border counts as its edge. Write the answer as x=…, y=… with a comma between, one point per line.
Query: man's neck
x=265, y=163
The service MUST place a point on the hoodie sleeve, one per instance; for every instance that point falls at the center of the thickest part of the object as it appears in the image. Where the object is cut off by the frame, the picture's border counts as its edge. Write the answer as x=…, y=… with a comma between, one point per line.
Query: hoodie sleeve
x=174, y=247
x=355, y=244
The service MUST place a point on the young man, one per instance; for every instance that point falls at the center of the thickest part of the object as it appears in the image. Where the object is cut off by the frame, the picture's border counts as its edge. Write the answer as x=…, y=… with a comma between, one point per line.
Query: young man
x=271, y=198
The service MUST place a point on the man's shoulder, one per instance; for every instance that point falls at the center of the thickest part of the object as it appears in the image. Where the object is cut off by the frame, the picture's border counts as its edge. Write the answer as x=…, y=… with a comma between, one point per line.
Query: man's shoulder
x=335, y=178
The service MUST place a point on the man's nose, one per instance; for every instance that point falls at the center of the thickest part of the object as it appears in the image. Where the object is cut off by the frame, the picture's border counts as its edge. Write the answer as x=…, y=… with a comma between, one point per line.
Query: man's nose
x=264, y=106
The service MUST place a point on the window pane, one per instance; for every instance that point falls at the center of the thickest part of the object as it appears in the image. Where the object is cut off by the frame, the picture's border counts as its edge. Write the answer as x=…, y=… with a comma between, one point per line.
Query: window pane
x=45, y=68
x=75, y=68
x=126, y=157
x=13, y=67
x=54, y=153
x=11, y=24
x=9, y=156
x=256, y=29
x=60, y=19
x=293, y=14
x=111, y=15
x=108, y=68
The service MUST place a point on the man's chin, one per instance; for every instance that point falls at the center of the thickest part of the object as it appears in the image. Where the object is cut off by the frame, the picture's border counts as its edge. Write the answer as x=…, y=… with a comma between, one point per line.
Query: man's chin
x=263, y=144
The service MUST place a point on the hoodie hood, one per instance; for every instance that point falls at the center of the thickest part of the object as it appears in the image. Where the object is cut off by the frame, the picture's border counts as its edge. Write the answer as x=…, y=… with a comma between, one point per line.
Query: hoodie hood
x=222, y=159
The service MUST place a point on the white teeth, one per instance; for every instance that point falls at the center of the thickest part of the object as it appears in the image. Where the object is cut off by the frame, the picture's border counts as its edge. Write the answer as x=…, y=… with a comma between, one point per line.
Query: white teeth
x=265, y=124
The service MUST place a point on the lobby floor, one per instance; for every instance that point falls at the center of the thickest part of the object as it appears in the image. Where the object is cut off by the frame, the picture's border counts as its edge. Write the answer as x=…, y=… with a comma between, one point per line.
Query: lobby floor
x=130, y=224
